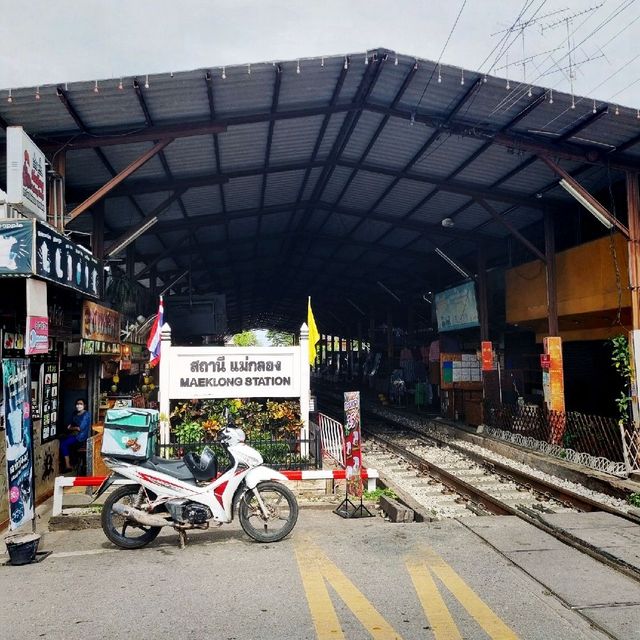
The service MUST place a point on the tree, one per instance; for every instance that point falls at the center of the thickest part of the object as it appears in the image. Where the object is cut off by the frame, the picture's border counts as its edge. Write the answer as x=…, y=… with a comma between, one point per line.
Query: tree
x=245, y=339
x=279, y=338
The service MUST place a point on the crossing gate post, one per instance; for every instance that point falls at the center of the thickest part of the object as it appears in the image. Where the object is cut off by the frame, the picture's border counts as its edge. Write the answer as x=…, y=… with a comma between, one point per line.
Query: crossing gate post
x=305, y=390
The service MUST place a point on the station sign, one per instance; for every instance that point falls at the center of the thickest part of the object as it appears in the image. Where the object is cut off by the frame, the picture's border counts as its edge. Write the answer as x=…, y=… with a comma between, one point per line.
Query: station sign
x=233, y=372
x=26, y=175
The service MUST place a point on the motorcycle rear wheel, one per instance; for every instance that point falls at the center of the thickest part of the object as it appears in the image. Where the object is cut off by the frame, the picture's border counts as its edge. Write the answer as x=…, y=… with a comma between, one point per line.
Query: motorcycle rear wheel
x=281, y=505
x=116, y=527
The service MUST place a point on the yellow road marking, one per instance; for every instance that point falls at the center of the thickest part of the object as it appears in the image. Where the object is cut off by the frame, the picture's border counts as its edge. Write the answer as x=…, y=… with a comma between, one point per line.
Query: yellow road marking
x=482, y=614
x=442, y=624
x=314, y=566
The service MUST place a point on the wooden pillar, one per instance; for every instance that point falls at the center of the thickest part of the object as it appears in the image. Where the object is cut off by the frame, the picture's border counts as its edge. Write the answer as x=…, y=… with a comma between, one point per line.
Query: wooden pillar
x=97, y=236
x=483, y=305
x=552, y=290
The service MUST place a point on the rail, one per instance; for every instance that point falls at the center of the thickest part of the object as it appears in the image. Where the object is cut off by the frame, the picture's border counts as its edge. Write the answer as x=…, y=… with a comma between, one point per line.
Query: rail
x=332, y=438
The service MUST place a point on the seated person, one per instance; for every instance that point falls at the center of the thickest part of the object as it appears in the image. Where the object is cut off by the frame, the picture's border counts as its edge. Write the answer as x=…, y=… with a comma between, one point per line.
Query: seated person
x=79, y=430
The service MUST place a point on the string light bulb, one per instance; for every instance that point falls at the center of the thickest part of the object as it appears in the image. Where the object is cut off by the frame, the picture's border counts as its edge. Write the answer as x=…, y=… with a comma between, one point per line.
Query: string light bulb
x=37, y=93
x=9, y=97
x=146, y=81
x=346, y=62
x=95, y=87
x=224, y=74
x=120, y=86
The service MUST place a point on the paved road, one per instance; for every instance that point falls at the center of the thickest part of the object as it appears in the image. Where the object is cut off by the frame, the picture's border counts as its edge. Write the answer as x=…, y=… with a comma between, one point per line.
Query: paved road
x=332, y=578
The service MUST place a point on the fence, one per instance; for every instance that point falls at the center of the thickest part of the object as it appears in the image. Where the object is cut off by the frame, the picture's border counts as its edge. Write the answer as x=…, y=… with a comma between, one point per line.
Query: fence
x=277, y=452
x=594, y=441
x=332, y=438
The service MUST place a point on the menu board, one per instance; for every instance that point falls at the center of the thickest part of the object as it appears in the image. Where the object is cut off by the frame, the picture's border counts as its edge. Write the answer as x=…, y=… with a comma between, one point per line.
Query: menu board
x=49, y=384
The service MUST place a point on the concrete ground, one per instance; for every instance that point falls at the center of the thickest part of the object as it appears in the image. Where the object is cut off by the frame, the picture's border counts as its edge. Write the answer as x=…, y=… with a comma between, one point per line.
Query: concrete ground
x=332, y=578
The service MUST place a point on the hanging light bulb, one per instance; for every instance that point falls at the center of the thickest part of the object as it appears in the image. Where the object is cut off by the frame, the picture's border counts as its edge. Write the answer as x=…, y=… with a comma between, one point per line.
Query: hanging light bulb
x=550, y=96
x=396, y=61
x=9, y=97
x=346, y=62
x=415, y=65
x=95, y=87
x=171, y=74
x=573, y=102
x=508, y=85
x=146, y=81
x=37, y=93
x=366, y=58
x=617, y=110
x=224, y=75
x=298, y=67
x=594, y=106
x=638, y=114
x=529, y=92
x=322, y=62
x=484, y=79
x=412, y=121
x=461, y=76
x=439, y=75
x=120, y=86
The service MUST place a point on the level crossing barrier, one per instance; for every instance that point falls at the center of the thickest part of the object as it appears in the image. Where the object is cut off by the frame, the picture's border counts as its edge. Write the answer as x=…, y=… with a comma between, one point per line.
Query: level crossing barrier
x=61, y=482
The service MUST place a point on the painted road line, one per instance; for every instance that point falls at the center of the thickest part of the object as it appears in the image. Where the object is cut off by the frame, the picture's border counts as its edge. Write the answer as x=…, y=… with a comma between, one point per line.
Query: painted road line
x=315, y=567
x=439, y=617
x=494, y=626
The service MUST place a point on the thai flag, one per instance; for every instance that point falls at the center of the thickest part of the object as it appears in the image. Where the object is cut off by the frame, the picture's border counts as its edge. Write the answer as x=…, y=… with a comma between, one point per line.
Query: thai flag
x=153, y=343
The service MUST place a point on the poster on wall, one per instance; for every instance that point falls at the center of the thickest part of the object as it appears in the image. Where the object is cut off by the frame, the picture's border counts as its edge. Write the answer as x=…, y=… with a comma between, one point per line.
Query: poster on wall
x=26, y=174
x=100, y=323
x=16, y=377
x=49, y=395
x=16, y=247
x=456, y=308
x=352, y=442
x=37, y=339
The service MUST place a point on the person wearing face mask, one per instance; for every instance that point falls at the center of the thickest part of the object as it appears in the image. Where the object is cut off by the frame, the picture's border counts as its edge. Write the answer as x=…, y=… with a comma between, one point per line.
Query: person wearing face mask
x=79, y=430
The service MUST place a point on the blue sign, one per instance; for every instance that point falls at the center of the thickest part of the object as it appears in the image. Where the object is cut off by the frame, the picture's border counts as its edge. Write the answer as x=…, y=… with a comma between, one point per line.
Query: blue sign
x=16, y=378
x=16, y=247
x=456, y=308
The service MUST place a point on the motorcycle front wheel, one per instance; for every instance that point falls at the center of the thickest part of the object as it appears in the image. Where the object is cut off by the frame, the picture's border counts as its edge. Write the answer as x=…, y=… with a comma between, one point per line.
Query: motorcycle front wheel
x=120, y=530
x=282, y=512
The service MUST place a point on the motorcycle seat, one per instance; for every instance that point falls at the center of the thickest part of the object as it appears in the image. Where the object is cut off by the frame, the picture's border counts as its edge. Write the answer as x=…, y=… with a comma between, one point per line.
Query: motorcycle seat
x=174, y=468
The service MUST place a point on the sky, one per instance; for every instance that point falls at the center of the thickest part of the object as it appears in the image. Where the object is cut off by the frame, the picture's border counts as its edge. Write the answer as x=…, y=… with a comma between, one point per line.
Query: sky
x=45, y=42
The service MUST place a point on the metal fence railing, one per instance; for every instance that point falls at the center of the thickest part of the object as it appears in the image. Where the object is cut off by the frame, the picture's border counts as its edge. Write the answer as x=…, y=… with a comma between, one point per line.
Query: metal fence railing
x=332, y=437
x=277, y=452
x=596, y=436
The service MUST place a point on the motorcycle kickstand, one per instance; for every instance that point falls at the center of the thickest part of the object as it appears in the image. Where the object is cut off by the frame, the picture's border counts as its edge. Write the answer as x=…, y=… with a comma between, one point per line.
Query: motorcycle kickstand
x=182, y=536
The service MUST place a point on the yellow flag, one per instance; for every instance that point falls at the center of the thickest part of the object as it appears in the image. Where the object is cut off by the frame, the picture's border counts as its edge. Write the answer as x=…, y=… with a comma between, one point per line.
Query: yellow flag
x=314, y=336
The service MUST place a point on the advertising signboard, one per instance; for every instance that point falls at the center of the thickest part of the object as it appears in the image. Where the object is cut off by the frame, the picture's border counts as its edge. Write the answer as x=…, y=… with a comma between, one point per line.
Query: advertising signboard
x=456, y=308
x=16, y=376
x=100, y=323
x=26, y=174
x=37, y=338
x=353, y=442
x=49, y=413
x=16, y=247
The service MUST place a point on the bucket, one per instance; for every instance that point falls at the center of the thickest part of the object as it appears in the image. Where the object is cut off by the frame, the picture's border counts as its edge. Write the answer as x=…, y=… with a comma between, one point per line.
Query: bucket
x=22, y=548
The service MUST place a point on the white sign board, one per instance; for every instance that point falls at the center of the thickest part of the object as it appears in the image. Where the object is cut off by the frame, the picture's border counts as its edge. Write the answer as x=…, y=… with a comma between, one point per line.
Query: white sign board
x=233, y=372
x=26, y=175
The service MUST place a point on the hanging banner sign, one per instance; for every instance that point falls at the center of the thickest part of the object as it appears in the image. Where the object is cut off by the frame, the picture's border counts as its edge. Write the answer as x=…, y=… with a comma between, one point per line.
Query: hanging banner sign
x=353, y=442
x=487, y=356
x=16, y=247
x=62, y=261
x=37, y=335
x=456, y=308
x=100, y=323
x=233, y=372
x=16, y=376
x=99, y=348
x=26, y=174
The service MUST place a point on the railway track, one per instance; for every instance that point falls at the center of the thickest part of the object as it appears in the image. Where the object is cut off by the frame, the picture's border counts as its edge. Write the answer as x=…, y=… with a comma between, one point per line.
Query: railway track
x=452, y=482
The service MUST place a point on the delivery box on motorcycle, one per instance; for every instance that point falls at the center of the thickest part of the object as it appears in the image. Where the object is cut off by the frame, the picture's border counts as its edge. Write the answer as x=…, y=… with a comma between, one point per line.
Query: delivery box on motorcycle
x=130, y=434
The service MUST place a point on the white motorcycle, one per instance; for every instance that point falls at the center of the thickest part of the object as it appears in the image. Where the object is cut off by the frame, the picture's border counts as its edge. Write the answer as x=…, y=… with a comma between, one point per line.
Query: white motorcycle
x=189, y=494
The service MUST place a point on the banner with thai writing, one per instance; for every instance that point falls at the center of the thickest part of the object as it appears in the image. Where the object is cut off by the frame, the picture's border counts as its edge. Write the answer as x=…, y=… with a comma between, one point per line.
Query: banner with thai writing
x=49, y=385
x=100, y=323
x=37, y=338
x=353, y=442
x=16, y=377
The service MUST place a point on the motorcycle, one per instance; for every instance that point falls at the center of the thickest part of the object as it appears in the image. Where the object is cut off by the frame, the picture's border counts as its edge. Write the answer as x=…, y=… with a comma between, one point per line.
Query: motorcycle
x=190, y=494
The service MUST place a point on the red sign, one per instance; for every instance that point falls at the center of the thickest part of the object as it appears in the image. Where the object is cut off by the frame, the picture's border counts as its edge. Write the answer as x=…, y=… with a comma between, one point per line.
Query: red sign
x=353, y=442
x=37, y=335
x=545, y=360
x=487, y=356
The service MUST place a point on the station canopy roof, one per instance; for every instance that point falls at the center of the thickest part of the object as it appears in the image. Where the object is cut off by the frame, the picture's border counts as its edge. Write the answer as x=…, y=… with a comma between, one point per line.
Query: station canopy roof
x=327, y=177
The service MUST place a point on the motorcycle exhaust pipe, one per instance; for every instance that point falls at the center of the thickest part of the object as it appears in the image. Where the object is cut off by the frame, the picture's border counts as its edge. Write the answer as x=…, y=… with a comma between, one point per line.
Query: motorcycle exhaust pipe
x=141, y=517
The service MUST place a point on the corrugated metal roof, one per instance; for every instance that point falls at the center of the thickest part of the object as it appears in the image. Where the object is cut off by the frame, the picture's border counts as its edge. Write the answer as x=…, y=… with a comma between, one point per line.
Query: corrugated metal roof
x=482, y=132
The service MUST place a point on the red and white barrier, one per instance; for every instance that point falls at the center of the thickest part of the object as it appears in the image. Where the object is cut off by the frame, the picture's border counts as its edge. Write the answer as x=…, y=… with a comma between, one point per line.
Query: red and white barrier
x=370, y=475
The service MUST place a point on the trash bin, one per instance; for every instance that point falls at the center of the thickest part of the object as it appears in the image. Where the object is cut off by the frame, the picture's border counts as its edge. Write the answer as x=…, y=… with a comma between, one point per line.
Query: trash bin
x=130, y=434
x=22, y=548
